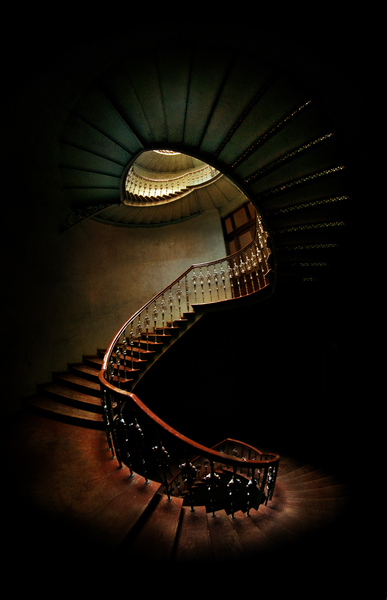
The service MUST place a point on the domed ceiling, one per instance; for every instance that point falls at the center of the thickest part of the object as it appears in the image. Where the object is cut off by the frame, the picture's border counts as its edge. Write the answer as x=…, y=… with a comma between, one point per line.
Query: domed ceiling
x=266, y=135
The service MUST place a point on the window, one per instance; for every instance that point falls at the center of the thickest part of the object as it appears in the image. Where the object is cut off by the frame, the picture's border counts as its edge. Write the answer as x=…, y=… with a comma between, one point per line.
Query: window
x=239, y=227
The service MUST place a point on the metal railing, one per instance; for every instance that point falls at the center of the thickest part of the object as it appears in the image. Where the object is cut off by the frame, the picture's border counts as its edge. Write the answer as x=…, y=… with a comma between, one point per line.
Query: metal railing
x=135, y=434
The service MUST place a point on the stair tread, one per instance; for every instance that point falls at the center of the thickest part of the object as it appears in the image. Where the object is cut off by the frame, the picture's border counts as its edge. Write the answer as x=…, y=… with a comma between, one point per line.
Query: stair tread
x=108, y=525
x=270, y=527
x=252, y=539
x=156, y=538
x=82, y=367
x=225, y=542
x=67, y=395
x=193, y=541
x=77, y=380
x=52, y=406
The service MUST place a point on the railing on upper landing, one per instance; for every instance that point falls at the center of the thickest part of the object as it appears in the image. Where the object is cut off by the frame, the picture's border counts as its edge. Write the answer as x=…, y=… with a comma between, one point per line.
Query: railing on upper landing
x=141, y=189
x=136, y=435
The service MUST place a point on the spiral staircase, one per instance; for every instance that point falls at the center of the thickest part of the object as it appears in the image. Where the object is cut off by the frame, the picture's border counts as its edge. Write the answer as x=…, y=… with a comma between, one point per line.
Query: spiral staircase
x=274, y=146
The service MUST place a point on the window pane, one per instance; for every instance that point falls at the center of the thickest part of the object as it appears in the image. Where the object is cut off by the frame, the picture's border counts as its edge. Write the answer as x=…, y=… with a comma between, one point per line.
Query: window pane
x=251, y=208
x=232, y=247
x=245, y=238
x=228, y=224
x=240, y=217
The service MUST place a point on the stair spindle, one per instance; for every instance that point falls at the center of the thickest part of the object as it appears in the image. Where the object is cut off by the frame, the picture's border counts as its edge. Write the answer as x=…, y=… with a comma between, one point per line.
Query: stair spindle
x=223, y=277
x=162, y=304
x=155, y=313
x=215, y=275
x=201, y=279
x=124, y=345
x=209, y=283
x=178, y=294
x=171, y=300
x=147, y=321
x=186, y=292
x=194, y=279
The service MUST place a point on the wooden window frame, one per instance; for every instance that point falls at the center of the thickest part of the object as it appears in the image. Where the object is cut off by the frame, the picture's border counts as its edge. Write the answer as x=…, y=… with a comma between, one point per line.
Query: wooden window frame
x=236, y=232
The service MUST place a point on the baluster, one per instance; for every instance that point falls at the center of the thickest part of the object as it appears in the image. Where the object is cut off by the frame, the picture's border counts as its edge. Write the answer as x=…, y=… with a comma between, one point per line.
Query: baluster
x=271, y=477
x=230, y=276
x=188, y=473
x=162, y=304
x=216, y=282
x=111, y=369
x=201, y=279
x=248, y=266
x=118, y=363
x=263, y=484
x=256, y=268
x=162, y=462
x=155, y=313
x=171, y=300
x=138, y=437
x=194, y=279
x=147, y=321
x=186, y=292
x=243, y=271
x=124, y=345
x=236, y=272
x=178, y=294
x=212, y=486
x=223, y=277
x=209, y=283
x=251, y=491
x=233, y=486
x=131, y=340
x=139, y=329
x=106, y=420
x=123, y=441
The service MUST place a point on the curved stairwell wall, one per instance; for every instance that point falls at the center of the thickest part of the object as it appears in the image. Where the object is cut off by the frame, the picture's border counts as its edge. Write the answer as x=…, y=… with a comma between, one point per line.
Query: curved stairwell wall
x=87, y=281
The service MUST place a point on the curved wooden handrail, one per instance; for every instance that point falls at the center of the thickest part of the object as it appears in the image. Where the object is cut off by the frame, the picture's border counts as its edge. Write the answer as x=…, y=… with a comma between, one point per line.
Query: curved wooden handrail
x=198, y=448
x=168, y=287
x=114, y=394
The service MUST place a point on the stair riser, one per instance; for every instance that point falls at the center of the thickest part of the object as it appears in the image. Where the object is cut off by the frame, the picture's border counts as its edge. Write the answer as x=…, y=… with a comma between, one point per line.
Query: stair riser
x=78, y=387
x=76, y=403
x=93, y=377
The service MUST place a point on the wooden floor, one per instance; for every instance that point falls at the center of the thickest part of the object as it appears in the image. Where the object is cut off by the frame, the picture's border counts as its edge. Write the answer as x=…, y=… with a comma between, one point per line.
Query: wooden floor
x=66, y=503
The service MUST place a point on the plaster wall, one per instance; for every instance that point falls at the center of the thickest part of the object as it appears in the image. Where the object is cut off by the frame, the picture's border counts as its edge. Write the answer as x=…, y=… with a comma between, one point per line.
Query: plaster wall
x=80, y=286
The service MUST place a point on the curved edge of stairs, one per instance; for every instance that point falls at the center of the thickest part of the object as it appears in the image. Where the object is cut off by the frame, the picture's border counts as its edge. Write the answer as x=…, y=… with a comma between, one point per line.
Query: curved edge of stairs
x=106, y=511
x=73, y=396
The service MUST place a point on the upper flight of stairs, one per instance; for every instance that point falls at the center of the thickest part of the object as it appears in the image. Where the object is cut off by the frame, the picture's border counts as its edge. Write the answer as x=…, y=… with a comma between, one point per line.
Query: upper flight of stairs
x=75, y=395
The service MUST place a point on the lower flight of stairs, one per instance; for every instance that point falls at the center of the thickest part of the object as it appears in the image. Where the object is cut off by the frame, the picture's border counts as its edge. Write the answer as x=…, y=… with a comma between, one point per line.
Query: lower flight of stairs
x=84, y=499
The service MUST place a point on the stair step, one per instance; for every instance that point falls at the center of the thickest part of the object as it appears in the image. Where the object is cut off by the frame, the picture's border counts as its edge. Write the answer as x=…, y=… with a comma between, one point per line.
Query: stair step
x=193, y=542
x=85, y=371
x=225, y=542
x=156, y=537
x=70, y=396
x=252, y=539
x=276, y=534
x=76, y=382
x=108, y=525
x=93, y=361
x=64, y=412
